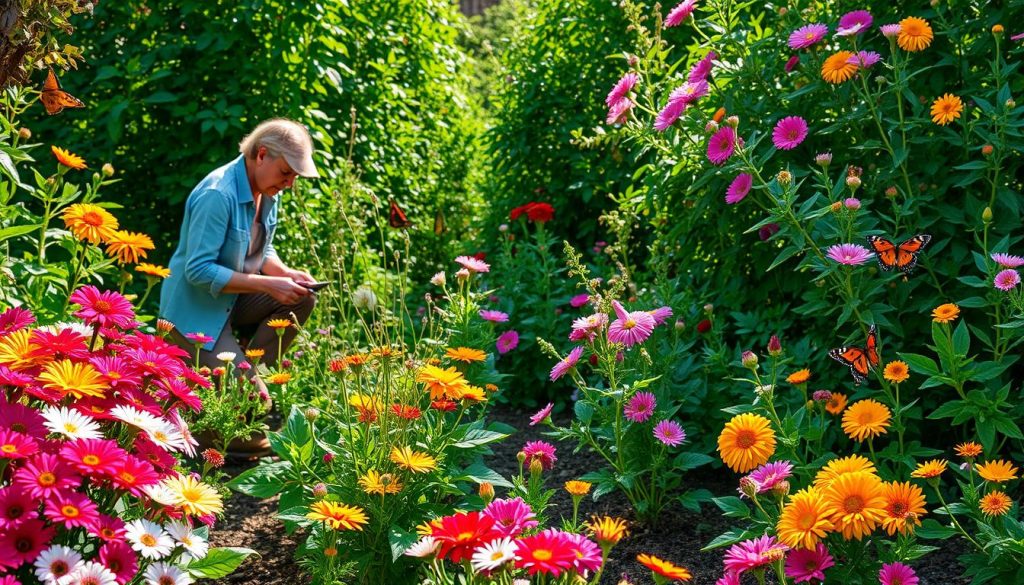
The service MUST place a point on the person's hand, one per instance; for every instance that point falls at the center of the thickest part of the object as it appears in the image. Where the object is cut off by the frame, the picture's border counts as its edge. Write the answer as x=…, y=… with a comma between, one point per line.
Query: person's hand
x=285, y=290
x=300, y=276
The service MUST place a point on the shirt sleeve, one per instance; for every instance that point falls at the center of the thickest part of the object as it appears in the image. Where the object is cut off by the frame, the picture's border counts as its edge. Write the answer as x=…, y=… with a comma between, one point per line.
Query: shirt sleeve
x=207, y=232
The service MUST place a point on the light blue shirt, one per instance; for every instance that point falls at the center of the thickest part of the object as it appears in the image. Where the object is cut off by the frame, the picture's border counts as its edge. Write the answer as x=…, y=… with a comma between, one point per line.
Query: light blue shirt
x=215, y=236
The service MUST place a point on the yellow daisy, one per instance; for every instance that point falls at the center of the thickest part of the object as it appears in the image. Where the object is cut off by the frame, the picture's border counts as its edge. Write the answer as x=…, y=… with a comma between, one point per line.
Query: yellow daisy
x=833, y=469
x=89, y=222
x=577, y=488
x=375, y=482
x=904, y=506
x=970, y=449
x=338, y=516
x=194, y=497
x=607, y=531
x=447, y=383
x=805, y=520
x=838, y=68
x=77, y=379
x=866, y=419
x=465, y=354
x=279, y=323
x=859, y=502
x=746, y=442
x=915, y=34
x=998, y=471
x=413, y=461
x=128, y=247
x=930, y=469
x=66, y=158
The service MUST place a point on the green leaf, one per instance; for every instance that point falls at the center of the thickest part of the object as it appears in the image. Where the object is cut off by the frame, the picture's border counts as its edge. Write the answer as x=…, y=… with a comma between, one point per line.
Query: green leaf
x=479, y=473
x=948, y=410
x=961, y=339
x=919, y=363
x=584, y=412
x=218, y=562
x=263, y=481
x=400, y=541
x=692, y=499
x=477, y=437
x=726, y=539
x=16, y=230
x=732, y=506
x=931, y=529
x=686, y=461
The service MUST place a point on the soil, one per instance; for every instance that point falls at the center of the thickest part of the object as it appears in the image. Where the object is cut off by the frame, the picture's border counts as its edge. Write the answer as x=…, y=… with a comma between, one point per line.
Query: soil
x=678, y=535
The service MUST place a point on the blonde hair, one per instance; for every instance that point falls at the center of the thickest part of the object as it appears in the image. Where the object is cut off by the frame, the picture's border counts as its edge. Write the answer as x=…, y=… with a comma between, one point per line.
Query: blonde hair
x=281, y=137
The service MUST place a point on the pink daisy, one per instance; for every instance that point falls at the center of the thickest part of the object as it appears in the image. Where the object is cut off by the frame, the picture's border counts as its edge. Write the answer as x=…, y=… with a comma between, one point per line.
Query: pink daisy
x=17, y=379
x=669, y=114
x=116, y=371
x=854, y=23
x=621, y=89
x=511, y=516
x=24, y=542
x=93, y=456
x=199, y=338
x=542, y=451
x=63, y=344
x=108, y=529
x=640, y=407
x=1008, y=260
x=14, y=445
x=119, y=557
x=541, y=414
x=729, y=578
x=791, y=64
x=897, y=574
x=44, y=476
x=890, y=31
x=71, y=509
x=579, y=300
x=619, y=112
x=567, y=363
x=1007, y=279
x=803, y=565
x=15, y=319
x=587, y=552
x=154, y=363
x=554, y=553
x=739, y=188
x=661, y=314
x=134, y=474
x=588, y=327
x=105, y=308
x=753, y=553
x=507, y=341
x=807, y=35
x=16, y=507
x=472, y=264
x=770, y=474
x=789, y=132
x=493, y=316
x=865, y=59
x=22, y=419
x=701, y=69
x=849, y=254
x=721, y=145
x=680, y=13
x=630, y=328
x=670, y=433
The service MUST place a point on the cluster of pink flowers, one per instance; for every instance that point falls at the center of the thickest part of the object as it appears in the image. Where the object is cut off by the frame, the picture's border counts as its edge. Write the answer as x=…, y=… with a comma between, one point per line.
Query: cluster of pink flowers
x=618, y=100
x=767, y=477
x=91, y=432
x=1008, y=278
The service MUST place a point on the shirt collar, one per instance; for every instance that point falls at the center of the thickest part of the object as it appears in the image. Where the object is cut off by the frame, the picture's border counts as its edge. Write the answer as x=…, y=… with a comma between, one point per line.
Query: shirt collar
x=243, y=191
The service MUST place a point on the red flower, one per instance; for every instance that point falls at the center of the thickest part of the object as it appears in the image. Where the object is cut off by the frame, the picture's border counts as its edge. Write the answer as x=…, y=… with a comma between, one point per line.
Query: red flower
x=549, y=552
x=704, y=326
x=460, y=533
x=405, y=411
x=538, y=212
x=443, y=405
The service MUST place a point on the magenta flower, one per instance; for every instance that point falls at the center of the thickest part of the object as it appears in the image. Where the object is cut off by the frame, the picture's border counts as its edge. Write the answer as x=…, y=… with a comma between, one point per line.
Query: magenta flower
x=807, y=35
x=729, y=578
x=493, y=316
x=14, y=319
x=680, y=13
x=865, y=59
x=24, y=543
x=630, y=328
x=1007, y=279
x=791, y=64
x=1008, y=260
x=640, y=407
x=890, y=31
x=753, y=553
x=701, y=69
x=45, y=476
x=854, y=23
x=739, y=188
x=789, y=132
x=897, y=574
x=567, y=363
x=71, y=509
x=472, y=264
x=507, y=341
x=802, y=565
x=721, y=145
x=579, y=300
x=107, y=308
x=770, y=474
x=588, y=327
x=621, y=89
x=16, y=506
x=849, y=254
x=511, y=517
x=851, y=203
x=661, y=314
x=541, y=414
x=669, y=114
x=119, y=557
x=619, y=113
x=541, y=451
x=587, y=553
x=199, y=338
x=669, y=432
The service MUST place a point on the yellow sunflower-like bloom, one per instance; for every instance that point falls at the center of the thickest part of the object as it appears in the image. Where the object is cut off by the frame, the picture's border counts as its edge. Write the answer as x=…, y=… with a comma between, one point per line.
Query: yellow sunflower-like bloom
x=746, y=442
x=17, y=350
x=465, y=354
x=838, y=68
x=666, y=569
x=442, y=384
x=194, y=497
x=76, y=379
x=896, y=372
x=859, y=502
x=805, y=520
x=413, y=461
x=866, y=419
x=607, y=531
x=279, y=378
x=89, y=222
x=577, y=488
x=915, y=34
x=128, y=247
x=375, y=482
x=338, y=516
x=836, y=404
x=970, y=449
x=946, y=108
x=68, y=159
x=279, y=323
x=833, y=469
x=995, y=503
x=998, y=471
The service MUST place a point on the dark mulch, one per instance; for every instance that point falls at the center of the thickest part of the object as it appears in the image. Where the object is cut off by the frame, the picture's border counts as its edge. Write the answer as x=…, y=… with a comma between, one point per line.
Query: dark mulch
x=678, y=535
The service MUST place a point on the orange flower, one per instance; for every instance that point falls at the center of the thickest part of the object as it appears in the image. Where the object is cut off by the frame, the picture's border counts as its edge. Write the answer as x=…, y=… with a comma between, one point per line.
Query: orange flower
x=607, y=530
x=128, y=247
x=997, y=471
x=664, y=568
x=838, y=68
x=995, y=503
x=969, y=449
x=859, y=502
x=746, y=442
x=799, y=376
x=153, y=270
x=719, y=115
x=896, y=372
x=836, y=404
x=915, y=34
x=64, y=157
x=866, y=419
x=577, y=488
x=930, y=469
x=465, y=354
x=945, y=313
x=947, y=108
x=904, y=506
x=89, y=222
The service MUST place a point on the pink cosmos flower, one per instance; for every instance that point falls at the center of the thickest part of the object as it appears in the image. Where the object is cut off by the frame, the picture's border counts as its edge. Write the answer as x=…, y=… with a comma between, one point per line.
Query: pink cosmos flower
x=105, y=308
x=680, y=13
x=508, y=341
x=729, y=578
x=472, y=264
x=802, y=565
x=770, y=474
x=669, y=432
x=16, y=506
x=567, y=363
x=622, y=88
x=669, y=114
x=640, y=407
x=542, y=451
x=541, y=414
x=619, y=112
x=854, y=23
x=739, y=188
x=493, y=316
x=116, y=372
x=134, y=474
x=661, y=314
x=630, y=328
x=587, y=553
x=23, y=543
x=511, y=516
x=15, y=319
x=849, y=254
x=119, y=557
x=14, y=445
x=1007, y=279
x=44, y=476
x=791, y=64
x=789, y=132
x=93, y=456
x=71, y=509
x=555, y=553
x=22, y=419
x=897, y=574
x=701, y=69
x=865, y=59
x=753, y=553
x=579, y=300
x=1008, y=260
x=807, y=35
x=588, y=327
x=199, y=338
x=721, y=145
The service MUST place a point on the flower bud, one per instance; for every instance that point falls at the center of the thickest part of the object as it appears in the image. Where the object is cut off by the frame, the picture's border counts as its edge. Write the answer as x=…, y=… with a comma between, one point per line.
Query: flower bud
x=1010, y=104
x=503, y=228
x=823, y=159
x=328, y=457
x=704, y=326
x=438, y=279
x=320, y=490
x=218, y=371
x=486, y=492
x=987, y=149
x=204, y=371
x=633, y=60
x=997, y=30
x=311, y=414
x=784, y=178
x=536, y=467
x=822, y=395
x=733, y=121
x=462, y=275
x=108, y=170
x=764, y=390
x=782, y=10
x=164, y=326
x=213, y=458
x=24, y=133
x=781, y=489
x=774, y=346
x=521, y=457
x=891, y=192
x=748, y=487
x=852, y=203
x=680, y=324
x=853, y=182
x=749, y=359
x=709, y=308
x=986, y=215
x=711, y=127
x=245, y=366
x=286, y=363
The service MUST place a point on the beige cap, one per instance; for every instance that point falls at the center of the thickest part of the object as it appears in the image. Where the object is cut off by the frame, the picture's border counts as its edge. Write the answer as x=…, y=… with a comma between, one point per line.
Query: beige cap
x=303, y=164
x=286, y=138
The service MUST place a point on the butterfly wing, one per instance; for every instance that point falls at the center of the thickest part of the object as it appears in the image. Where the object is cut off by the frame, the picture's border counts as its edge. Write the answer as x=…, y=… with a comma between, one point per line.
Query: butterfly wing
x=397, y=218
x=56, y=99
x=871, y=347
x=885, y=250
x=854, y=358
x=439, y=226
x=906, y=254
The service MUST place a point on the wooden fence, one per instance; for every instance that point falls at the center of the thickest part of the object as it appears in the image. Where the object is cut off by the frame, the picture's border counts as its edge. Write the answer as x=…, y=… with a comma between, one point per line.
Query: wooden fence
x=471, y=7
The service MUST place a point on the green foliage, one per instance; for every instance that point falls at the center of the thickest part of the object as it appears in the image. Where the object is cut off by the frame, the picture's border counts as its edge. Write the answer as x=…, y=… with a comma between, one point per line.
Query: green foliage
x=32, y=34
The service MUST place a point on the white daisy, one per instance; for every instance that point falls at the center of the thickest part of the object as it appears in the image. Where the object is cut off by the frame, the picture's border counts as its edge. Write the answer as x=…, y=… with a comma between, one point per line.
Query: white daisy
x=182, y=534
x=92, y=573
x=167, y=436
x=71, y=423
x=55, y=564
x=166, y=574
x=135, y=417
x=160, y=493
x=226, y=356
x=148, y=538
x=493, y=554
x=424, y=547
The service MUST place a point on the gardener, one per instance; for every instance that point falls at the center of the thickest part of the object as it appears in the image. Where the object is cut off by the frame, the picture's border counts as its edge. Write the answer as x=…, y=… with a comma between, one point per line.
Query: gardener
x=225, y=276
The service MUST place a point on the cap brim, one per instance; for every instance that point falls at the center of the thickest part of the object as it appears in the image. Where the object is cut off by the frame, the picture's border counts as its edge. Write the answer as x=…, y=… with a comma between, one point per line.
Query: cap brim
x=303, y=167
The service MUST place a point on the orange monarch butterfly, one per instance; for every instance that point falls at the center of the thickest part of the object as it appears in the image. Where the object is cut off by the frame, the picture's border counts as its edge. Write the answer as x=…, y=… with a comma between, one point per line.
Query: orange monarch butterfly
x=860, y=360
x=903, y=257
x=396, y=218
x=56, y=99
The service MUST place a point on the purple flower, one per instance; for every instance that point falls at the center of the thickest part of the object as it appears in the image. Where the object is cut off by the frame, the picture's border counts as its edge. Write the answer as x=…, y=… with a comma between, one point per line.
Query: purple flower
x=1008, y=260
x=579, y=300
x=619, y=112
x=767, y=231
x=722, y=145
x=567, y=363
x=541, y=414
x=508, y=341
x=739, y=188
x=851, y=203
x=640, y=407
x=792, y=63
x=661, y=314
x=1007, y=279
x=680, y=13
x=621, y=89
x=701, y=69
x=849, y=254
x=493, y=316
x=807, y=35
x=897, y=574
x=865, y=59
x=854, y=23
x=890, y=31
x=770, y=474
x=789, y=132
x=802, y=565
x=669, y=432
x=630, y=328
